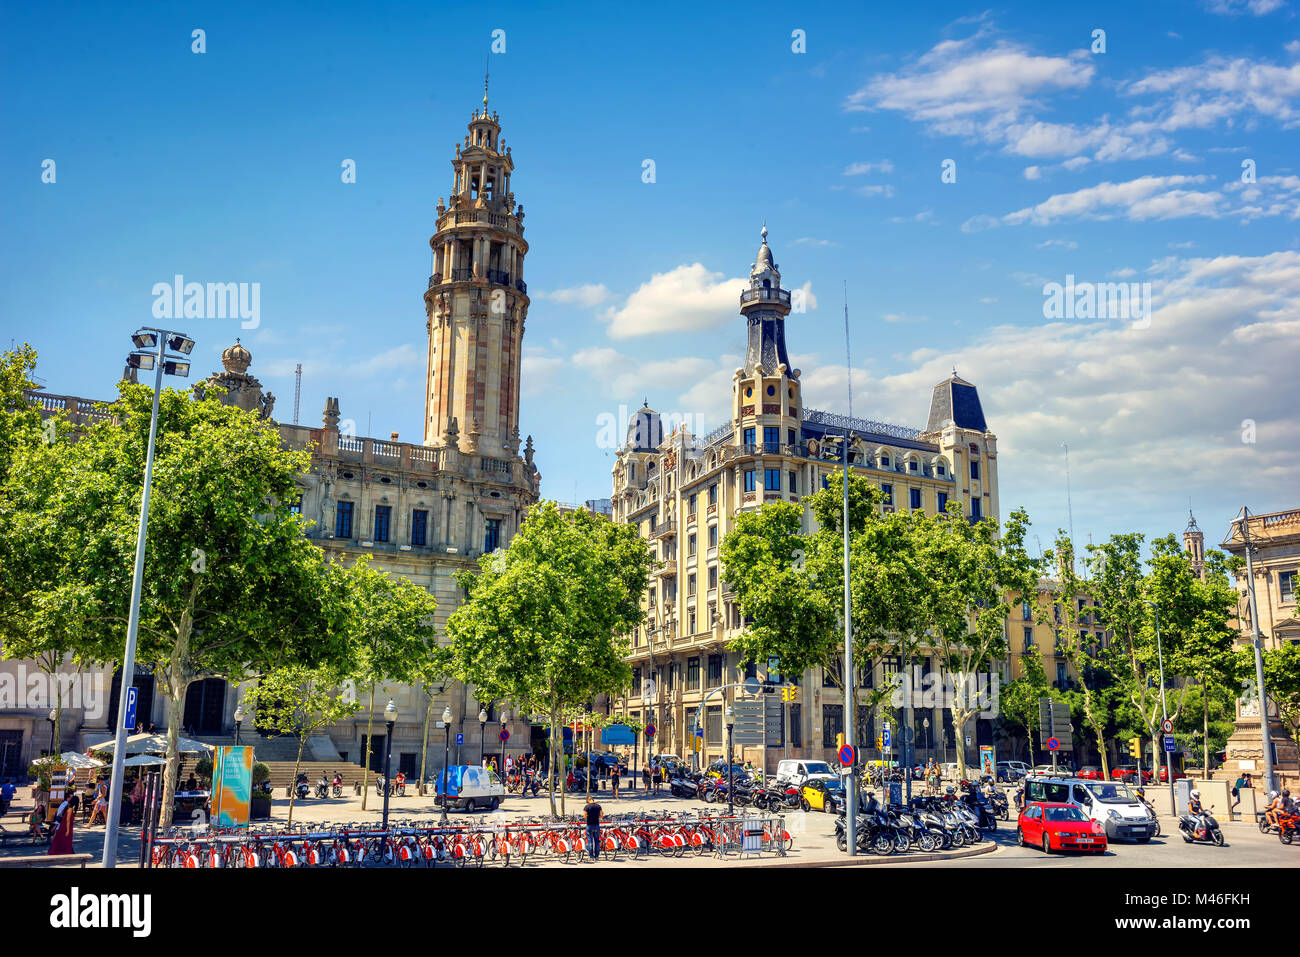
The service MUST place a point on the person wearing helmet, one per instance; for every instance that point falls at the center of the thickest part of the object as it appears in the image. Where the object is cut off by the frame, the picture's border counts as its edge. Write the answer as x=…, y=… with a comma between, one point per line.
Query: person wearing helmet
x=1195, y=809
x=1288, y=804
x=1274, y=808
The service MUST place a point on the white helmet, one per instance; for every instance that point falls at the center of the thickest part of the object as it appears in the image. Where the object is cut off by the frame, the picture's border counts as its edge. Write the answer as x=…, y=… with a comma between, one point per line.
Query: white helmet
x=1196, y=794
x=1272, y=794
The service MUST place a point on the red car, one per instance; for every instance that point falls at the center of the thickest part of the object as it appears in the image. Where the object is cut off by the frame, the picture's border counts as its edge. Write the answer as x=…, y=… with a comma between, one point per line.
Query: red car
x=1059, y=827
x=1129, y=773
x=1164, y=775
x=1090, y=772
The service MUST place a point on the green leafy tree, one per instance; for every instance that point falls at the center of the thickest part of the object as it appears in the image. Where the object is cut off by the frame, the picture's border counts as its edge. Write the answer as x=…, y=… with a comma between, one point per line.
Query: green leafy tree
x=544, y=621
x=1058, y=609
x=387, y=626
x=1019, y=699
x=1282, y=681
x=232, y=588
x=299, y=701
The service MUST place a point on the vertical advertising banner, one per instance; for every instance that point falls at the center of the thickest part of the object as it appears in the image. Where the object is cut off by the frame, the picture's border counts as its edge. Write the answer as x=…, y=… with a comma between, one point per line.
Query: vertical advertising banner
x=232, y=786
x=988, y=761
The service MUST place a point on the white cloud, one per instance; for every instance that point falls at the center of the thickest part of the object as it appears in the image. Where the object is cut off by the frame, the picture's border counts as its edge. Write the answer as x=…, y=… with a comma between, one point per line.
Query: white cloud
x=688, y=298
x=1217, y=91
x=988, y=299
x=588, y=295
x=1063, y=243
x=1033, y=172
x=859, y=169
x=809, y=300
x=901, y=317
x=1233, y=8
x=810, y=241
x=1147, y=197
x=884, y=190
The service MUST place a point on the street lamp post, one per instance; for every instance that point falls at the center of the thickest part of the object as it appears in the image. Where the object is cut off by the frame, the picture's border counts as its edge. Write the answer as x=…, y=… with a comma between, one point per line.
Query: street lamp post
x=239, y=719
x=482, y=734
x=54, y=717
x=1164, y=712
x=925, y=723
x=390, y=716
x=145, y=339
x=446, y=756
x=503, y=745
x=731, y=774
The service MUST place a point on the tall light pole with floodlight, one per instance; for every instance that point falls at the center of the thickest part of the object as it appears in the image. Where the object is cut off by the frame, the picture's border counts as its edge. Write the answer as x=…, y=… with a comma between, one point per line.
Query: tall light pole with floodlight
x=180, y=345
x=446, y=757
x=390, y=716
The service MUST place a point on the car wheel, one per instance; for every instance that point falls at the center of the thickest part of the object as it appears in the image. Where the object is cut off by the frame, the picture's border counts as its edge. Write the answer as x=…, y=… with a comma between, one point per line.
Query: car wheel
x=804, y=805
x=496, y=802
x=1020, y=837
x=1047, y=844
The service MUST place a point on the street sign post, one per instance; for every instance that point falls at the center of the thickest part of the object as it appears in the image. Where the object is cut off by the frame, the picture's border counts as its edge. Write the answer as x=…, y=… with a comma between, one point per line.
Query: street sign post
x=504, y=735
x=848, y=755
x=1167, y=726
x=128, y=716
x=884, y=737
x=460, y=739
x=1053, y=745
x=1169, y=743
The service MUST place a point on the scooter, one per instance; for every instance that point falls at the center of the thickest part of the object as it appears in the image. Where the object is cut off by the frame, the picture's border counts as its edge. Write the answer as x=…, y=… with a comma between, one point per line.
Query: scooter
x=322, y=788
x=1200, y=828
x=336, y=788
x=302, y=787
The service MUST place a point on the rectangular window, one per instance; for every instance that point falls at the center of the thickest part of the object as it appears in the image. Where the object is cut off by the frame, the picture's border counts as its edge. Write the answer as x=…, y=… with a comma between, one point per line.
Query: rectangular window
x=713, y=576
x=713, y=494
x=343, y=520
x=715, y=671
x=912, y=465
x=793, y=484
x=713, y=536
x=1286, y=586
x=941, y=502
x=889, y=493
x=383, y=516
x=974, y=510
x=940, y=470
x=690, y=508
x=419, y=526
x=832, y=724
x=1026, y=611
x=690, y=621
x=1061, y=677
x=296, y=506
x=747, y=437
x=796, y=726
x=690, y=545
x=975, y=471
x=826, y=480
x=915, y=496
x=692, y=674
x=713, y=718
x=772, y=480
x=771, y=438
x=492, y=535
x=749, y=480
x=1029, y=638
x=789, y=436
x=690, y=587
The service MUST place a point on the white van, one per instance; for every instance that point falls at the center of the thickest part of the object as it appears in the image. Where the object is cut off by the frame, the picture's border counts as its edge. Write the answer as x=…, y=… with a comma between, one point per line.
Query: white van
x=796, y=772
x=1109, y=803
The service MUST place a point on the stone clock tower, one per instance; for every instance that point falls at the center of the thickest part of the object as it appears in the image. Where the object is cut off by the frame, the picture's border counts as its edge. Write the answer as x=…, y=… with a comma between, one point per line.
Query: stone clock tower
x=477, y=301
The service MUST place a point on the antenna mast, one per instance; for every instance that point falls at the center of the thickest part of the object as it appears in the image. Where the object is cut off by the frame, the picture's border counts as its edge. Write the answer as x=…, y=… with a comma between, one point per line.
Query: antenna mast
x=1069, y=504
x=297, y=391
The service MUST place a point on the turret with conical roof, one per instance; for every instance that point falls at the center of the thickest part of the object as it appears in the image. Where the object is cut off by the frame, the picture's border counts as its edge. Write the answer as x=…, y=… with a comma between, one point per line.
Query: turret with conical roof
x=1194, y=543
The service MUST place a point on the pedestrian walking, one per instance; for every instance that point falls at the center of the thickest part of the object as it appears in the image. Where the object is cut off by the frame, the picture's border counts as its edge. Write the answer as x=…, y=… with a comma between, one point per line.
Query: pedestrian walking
x=64, y=819
x=592, y=811
x=645, y=778
x=613, y=783
x=6, y=795
x=1237, y=785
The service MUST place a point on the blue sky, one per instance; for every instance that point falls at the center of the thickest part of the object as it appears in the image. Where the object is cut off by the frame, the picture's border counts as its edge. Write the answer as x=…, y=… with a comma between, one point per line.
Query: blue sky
x=1122, y=165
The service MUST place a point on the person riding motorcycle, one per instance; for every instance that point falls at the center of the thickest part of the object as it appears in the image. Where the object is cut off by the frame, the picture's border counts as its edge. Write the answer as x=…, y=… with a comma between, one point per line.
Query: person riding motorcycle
x=1020, y=797
x=1195, y=809
x=1274, y=808
x=1288, y=804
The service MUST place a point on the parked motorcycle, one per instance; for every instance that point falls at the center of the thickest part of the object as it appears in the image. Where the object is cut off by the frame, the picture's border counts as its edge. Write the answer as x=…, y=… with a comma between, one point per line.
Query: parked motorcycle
x=322, y=788
x=302, y=787
x=1200, y=828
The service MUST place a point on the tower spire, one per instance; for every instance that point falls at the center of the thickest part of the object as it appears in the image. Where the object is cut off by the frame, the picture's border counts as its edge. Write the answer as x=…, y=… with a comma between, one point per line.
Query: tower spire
x=486, y=73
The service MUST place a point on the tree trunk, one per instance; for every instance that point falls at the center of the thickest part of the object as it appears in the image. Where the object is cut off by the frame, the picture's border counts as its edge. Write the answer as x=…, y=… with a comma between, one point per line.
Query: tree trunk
x=293, y=787
x=550, y=760
x=959, y=719
x=1205, y=729
x=588, y=739
x=365, y=769
x=177, y=688
x=424, y=752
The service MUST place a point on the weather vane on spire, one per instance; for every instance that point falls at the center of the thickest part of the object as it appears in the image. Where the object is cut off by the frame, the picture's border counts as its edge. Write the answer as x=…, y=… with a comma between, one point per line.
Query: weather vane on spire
x=486, y=74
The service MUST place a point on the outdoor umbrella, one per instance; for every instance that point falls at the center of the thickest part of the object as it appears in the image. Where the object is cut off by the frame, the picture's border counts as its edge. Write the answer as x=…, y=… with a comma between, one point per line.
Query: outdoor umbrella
x=137, y=760
x=156, y=744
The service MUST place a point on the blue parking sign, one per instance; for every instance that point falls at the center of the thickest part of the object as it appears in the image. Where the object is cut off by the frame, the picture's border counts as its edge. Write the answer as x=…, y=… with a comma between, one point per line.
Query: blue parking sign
x=128, y=716
x=460, y=739
x=1169, y=743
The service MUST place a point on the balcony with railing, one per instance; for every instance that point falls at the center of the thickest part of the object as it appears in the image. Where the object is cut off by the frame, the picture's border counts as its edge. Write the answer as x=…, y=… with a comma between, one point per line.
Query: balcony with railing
x=498, y=277
x=665, y=528
x=765, y=295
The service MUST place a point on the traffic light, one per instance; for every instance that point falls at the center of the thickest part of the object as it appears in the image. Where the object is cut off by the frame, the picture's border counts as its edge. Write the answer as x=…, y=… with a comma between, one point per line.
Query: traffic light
x=880, y=742
x=839, y=740
x=790, y=694
x=1135, y=747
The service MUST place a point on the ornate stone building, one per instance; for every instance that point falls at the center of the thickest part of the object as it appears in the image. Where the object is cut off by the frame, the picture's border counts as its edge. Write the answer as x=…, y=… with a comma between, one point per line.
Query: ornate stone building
x=683, y=492
x=1274, y=541
x=424, y=510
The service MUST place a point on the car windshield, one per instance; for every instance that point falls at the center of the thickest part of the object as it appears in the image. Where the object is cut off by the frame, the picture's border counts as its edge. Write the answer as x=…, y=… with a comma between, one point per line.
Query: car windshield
x=1112, y=793
x=1063, y=814
x=817, y=767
